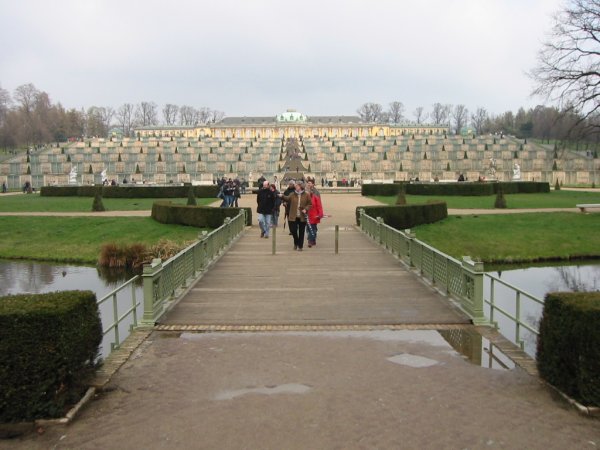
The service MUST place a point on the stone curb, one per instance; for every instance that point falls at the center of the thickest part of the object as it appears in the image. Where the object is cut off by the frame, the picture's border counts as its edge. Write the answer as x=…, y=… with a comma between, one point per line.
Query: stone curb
x=527, y=363
x=260, y=328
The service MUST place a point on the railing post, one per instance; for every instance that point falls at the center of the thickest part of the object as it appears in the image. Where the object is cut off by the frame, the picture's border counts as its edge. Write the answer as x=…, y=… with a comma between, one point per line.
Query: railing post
x=411, y=238
x=380, y=224
x=472, y=293
x=337, y=239
x=151, y=287
x=273, y=240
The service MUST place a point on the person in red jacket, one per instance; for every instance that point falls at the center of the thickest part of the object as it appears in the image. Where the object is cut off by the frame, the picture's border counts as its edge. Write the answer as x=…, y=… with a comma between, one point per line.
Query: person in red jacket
x=315, y=214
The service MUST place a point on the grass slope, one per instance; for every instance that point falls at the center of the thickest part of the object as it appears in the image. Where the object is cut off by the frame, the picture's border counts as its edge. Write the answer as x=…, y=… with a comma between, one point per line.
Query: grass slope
x=78, y=239
x=554, y=199
x=37, y=203
x=516, y=237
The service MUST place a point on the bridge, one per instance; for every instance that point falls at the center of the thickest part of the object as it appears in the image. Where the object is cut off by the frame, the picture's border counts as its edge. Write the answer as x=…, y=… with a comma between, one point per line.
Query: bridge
x=360, y=285
x=274, y=348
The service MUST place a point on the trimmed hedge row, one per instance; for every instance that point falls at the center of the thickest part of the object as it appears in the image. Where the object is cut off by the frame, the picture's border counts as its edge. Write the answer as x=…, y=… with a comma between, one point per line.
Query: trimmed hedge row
x=466, y=189
x=124, y=191
x=196, y=216
x=402, y=217
x=568, y=351
x=48, y=349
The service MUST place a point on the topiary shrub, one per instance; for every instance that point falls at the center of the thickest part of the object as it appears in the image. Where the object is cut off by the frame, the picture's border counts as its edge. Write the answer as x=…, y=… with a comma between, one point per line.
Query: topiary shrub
x=557, y=185
x=197, y=216
x=48, y=351
x=500, y=199
x=406, y=216
x=130, y=191
x=98, y=205
x=568, y=349
x=191, y=201
x=401, y=197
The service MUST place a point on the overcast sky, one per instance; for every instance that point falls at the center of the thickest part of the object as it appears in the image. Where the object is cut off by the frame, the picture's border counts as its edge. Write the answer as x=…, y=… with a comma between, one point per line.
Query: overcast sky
x=260, y=57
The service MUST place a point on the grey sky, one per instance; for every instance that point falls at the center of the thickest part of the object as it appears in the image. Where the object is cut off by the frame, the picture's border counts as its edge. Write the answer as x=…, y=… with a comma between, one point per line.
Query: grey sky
x=260, y=57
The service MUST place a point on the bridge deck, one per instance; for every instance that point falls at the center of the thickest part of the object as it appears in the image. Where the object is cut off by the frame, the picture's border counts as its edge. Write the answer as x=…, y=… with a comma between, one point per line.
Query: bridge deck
x=362, y=285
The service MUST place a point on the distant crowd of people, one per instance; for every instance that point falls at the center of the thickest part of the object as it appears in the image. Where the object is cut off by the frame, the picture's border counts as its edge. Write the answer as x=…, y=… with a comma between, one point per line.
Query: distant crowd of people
x=230, y=191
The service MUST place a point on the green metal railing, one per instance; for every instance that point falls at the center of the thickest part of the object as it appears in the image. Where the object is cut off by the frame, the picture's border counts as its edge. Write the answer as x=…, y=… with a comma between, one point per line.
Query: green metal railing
x=516, y=318
x=128, y=315
x=462, y=280
x=163, y=281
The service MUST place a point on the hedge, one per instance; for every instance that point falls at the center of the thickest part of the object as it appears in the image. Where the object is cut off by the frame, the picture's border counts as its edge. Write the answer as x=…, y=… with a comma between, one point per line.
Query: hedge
x=196, y=216
x=568, y=349
x=402, y=217
x=48, y=350
x=462, y=188
x=125, y=191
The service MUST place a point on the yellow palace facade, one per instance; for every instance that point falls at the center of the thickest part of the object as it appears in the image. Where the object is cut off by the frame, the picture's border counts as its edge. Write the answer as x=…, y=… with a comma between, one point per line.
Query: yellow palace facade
x=290, y=124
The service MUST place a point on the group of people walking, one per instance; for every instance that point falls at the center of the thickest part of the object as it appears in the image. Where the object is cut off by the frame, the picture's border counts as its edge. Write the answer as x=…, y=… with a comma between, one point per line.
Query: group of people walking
x=303, y=210
x=230, y=192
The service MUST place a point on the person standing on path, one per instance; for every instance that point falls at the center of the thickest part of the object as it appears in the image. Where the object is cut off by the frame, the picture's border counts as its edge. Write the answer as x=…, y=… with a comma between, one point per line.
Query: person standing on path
x=299, y=205
x=277, y=205
x=288, y=191
x=315, y=214
x=266, y=203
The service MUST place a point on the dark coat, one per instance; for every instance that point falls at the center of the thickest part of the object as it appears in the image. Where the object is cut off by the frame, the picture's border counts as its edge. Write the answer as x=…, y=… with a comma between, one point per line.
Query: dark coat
x=265, y=200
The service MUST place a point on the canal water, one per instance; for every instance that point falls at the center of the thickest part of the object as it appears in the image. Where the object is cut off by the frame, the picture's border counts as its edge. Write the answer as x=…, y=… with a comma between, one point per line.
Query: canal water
x=21, y=277
x=536, y=281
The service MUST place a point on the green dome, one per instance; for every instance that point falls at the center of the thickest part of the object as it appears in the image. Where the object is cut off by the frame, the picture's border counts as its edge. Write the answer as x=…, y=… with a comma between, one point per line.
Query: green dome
x=291, y=116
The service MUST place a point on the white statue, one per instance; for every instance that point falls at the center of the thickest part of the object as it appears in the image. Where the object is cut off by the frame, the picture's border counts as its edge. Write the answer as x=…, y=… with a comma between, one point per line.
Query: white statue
x=492, y=171
x=73, y=175
x=516, y=172
x=103, y=174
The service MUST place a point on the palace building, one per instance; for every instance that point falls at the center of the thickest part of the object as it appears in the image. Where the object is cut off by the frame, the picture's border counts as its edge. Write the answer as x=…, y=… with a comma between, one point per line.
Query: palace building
x=290, y=124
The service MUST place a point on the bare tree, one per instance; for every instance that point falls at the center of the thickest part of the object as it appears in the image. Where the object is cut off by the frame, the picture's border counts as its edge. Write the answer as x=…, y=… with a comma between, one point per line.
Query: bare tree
x=25, y=95
x=124, y=117
x=460, y=114
x=440, y=114
x=106, y=115
x=203, y=115
x=187, y=115
x=145, y=114
x=420, y=114
x=5, y=102
x=216, y=116
x=370, y=112
x=395, y=112
x=568, y=67
x=478, y=119
x=170, y=113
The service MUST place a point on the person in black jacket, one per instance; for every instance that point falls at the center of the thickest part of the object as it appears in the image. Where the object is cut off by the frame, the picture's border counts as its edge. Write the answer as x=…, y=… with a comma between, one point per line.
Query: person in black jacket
x=266, y=203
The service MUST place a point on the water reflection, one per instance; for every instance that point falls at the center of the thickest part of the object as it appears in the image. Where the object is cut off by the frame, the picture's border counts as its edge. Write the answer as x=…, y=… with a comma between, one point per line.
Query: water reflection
x=577, y=279
x=536, y=281
x=32, y=277
x=477, y=349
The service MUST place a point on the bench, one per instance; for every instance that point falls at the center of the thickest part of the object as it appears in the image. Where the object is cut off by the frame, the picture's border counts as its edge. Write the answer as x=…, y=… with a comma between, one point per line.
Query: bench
x=582, y=207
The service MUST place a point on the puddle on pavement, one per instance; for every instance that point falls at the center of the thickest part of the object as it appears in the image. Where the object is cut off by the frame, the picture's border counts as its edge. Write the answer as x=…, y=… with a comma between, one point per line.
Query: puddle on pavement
x=291, y=388
x=467, y=342
x=477, y=349
x=416, y=361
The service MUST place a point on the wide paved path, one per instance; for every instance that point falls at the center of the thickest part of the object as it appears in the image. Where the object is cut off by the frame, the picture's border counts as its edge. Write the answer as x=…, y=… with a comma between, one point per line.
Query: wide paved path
x=362, y=284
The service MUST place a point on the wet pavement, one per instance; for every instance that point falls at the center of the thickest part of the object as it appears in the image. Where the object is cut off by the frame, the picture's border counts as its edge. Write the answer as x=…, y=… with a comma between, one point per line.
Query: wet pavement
x=308, y=390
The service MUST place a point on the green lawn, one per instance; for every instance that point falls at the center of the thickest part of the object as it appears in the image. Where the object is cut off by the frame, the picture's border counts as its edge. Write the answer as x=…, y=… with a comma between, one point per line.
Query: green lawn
x=37, y=203
x=516, y=237
x=554, y=199
x=78, y=239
